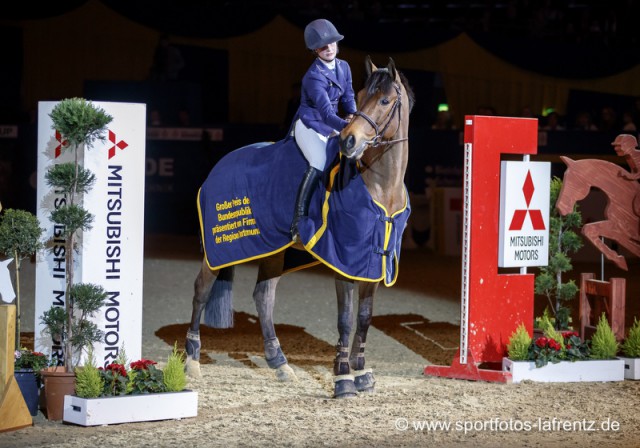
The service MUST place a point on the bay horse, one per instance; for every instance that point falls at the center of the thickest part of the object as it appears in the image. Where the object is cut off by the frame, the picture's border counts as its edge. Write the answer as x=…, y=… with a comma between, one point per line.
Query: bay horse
x=622, y=224
x=375, y=140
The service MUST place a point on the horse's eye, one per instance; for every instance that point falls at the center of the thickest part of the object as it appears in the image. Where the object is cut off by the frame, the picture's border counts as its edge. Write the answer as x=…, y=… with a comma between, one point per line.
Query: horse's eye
x=384, y=101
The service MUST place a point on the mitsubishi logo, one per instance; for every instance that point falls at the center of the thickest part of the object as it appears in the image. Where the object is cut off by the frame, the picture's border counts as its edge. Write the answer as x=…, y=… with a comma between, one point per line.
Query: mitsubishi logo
x=520, y=215
x=120, y=145
x=61, y=144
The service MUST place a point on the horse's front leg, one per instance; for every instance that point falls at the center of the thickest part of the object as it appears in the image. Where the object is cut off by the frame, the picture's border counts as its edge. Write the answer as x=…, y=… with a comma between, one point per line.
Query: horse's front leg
x=364, y=379
x=593, y=231
x=344, y=380
x=202, y=289
x=264, y=296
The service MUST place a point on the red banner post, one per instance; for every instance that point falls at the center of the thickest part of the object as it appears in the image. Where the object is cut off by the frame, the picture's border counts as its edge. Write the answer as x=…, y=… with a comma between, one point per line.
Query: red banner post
x=492, y=304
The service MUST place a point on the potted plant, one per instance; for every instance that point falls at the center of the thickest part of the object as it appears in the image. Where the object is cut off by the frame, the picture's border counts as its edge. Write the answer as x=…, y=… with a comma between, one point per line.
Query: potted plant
x=20, y=237
x=27, y=366
x=603, y=342
x=560, y=356
x=563, y=241
x=81, y=124
x=126, y=392
x=631, y=352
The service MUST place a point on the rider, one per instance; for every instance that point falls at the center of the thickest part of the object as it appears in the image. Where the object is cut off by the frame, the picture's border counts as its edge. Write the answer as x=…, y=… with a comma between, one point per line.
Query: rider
x=626, y=146
x=325, y=85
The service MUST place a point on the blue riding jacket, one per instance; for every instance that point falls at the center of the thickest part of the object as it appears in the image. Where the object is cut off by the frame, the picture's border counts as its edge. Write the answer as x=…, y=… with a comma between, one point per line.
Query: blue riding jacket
x=322, y=91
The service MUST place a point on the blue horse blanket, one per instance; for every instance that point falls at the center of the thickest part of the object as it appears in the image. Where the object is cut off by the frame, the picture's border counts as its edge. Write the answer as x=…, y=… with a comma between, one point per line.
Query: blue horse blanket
x=246, y=208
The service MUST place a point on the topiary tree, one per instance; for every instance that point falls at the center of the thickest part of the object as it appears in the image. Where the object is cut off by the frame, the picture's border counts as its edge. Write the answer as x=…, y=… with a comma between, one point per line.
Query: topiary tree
x=631, y=345
x=20, y=237
x=519, y=343
x=81, y=124
x=563, y=240
x=603, y=342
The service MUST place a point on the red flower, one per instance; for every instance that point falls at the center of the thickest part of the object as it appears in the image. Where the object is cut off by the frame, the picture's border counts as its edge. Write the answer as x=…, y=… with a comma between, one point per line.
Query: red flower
x=541, y=342
x=568, y=334
x=143, y=364
x=554, y=345
x=117, y=368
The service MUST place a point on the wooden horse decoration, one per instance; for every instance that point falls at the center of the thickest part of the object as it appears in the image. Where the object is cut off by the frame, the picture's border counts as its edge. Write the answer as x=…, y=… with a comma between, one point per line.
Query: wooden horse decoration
x=622, y=213
x=374, y=146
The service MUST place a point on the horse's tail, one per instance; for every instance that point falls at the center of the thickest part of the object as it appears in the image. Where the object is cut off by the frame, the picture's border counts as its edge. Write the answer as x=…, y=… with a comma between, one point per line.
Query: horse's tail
x=219, y=310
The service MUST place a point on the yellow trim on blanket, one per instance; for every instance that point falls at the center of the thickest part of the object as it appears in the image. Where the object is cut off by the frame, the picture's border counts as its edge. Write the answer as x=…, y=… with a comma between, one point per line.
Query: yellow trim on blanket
x=387, y=235
x=325, y=211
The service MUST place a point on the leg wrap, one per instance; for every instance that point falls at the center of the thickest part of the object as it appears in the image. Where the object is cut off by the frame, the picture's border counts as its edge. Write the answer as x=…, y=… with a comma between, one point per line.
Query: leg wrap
x=357, y=358
x=193, y=345
x=344, y=387
x=341, y=362
x=273, y=353
x=364, y=380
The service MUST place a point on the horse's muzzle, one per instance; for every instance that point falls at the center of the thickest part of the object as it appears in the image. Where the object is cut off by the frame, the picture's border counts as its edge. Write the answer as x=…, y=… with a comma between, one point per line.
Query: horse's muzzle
x=349, y=149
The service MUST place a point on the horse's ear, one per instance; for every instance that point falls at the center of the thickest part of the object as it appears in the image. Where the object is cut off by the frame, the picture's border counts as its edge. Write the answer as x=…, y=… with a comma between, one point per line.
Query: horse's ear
x=391, y=66
x=368, y=66
x=567, y=161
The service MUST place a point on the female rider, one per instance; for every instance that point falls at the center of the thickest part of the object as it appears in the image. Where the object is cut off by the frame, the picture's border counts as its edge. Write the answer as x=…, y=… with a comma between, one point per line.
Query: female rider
x=325, y=86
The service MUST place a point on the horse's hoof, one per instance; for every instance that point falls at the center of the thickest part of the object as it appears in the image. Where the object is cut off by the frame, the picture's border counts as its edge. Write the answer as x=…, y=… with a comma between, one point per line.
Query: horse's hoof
x=344, y=387
x=364, y=381
x=192, y=368
x=285, y=373
x=621, y=262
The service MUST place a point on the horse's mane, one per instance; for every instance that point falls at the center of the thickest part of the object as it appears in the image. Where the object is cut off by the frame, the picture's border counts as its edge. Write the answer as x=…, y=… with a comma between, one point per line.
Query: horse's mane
x=381, y=80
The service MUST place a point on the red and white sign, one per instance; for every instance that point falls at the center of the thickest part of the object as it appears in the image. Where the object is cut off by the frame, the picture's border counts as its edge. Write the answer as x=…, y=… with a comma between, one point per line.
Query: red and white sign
x=524, y=214
x=492, y=303
x=111, y=253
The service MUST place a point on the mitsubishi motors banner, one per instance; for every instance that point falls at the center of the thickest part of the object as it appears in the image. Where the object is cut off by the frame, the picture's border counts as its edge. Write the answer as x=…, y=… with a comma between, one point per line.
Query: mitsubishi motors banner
x=524, y=214
x=111, y=253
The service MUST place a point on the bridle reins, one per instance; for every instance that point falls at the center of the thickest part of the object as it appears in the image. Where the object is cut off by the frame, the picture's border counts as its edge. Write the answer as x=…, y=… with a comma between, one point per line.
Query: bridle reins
x=377, y=139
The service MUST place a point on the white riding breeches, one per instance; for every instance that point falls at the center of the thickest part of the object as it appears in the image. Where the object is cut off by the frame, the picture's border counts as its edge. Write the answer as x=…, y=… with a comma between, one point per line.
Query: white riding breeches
x=312, y=145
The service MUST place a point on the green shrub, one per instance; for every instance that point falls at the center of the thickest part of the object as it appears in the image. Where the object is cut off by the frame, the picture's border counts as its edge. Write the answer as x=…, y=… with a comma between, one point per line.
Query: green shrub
x=603, y=342
x=89, y=383
x=519, y=342
x=175, y=377
x=631, y=345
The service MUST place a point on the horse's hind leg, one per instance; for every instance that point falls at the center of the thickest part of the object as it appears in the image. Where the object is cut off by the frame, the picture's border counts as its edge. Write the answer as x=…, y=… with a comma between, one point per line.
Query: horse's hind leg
x=264, y=296
x=202, y=289
x=364, y=379
x=344, y=380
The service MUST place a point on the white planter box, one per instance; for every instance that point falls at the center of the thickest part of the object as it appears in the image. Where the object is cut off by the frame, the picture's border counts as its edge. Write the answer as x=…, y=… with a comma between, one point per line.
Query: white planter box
x=130, y=408
x=565, y=371
x=631, y=368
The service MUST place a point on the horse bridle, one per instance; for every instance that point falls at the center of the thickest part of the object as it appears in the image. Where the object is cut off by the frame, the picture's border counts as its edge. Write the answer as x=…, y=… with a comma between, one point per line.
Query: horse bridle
x=377, y=139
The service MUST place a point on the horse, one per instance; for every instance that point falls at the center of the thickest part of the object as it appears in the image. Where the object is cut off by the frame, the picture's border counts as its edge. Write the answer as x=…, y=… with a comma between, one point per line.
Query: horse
x=622, y=224
x=376, y=142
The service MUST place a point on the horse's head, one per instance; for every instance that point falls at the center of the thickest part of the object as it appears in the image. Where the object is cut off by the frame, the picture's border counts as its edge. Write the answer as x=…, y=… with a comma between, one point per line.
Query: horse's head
x=573, y=188
x=383, y=111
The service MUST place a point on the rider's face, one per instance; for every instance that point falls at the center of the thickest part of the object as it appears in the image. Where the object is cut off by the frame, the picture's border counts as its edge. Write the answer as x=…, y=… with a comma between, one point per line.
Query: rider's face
x=328, y=52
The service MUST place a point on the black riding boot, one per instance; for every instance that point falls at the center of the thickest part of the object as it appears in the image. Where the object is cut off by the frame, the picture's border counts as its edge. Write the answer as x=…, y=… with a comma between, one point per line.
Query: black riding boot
x=309, y=182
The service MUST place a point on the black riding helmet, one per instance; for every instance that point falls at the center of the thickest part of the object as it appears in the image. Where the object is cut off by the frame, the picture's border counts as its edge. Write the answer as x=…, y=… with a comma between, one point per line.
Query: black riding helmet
x=320, y=33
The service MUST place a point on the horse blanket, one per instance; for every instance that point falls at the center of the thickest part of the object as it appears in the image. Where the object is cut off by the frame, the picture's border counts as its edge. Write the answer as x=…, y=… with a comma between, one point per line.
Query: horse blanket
x=246, y=208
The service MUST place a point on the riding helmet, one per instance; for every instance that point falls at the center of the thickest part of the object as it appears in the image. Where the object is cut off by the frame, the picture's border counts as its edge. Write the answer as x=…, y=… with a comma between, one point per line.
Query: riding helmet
x=319, y=33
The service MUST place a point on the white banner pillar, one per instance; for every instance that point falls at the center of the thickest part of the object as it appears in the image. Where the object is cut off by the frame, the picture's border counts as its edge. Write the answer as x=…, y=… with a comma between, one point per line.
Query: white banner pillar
x=111, y=253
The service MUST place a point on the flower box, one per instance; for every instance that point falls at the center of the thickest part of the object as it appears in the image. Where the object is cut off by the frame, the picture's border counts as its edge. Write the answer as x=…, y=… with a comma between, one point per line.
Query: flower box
x=566, y=371
x=130, y=408
x=631, y=368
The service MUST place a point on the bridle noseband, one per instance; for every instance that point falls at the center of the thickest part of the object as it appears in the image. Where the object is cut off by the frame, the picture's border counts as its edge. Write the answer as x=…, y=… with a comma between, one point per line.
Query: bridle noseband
x=377, y=139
